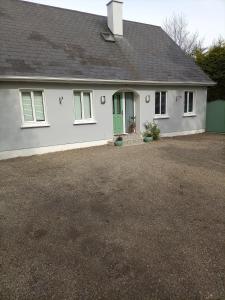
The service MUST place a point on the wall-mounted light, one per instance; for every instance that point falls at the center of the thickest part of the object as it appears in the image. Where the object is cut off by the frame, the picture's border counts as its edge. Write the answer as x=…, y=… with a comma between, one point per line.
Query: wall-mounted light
x=60, y=100
x=147, y=98
x=103, y=99
x=178, y=98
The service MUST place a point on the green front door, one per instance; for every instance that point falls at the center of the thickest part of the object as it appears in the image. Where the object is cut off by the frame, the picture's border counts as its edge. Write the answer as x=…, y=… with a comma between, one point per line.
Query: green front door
x=117, y=114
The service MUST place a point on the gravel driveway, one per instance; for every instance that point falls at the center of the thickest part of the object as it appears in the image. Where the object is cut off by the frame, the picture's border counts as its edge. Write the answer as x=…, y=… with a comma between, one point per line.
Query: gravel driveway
x=138, y=222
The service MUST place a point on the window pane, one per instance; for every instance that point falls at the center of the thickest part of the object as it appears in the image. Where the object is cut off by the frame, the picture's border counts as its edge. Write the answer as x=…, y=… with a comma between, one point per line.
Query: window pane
x=114, y=104
x=27, y=107
x=39, y=106
x=77, y=104
x=119, y=108
x=190, y=107
x=157, y=103
x=87, y=105
x=163, y=103
x=185, y=101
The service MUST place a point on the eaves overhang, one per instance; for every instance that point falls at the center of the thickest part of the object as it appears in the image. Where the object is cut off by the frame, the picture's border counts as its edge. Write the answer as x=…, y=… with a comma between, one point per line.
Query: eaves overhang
x=102, y=81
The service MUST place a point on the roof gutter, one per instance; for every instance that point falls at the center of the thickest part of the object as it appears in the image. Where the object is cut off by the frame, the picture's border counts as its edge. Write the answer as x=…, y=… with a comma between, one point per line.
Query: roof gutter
x=102, y=81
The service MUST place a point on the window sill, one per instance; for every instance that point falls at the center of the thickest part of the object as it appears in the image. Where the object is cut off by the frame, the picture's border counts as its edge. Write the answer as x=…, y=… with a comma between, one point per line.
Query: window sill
x=35, y=125
x=161, y=117
x=83, y=122
x=189, y=115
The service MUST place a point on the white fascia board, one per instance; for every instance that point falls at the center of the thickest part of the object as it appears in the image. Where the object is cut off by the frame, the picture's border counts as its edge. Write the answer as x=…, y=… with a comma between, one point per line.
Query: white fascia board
x=103, y=81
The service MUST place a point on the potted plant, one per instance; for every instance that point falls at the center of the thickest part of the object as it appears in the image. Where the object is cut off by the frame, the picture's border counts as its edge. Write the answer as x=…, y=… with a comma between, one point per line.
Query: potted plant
x=151, y=133
x=148, y=137
x=119, y=141
x=132, y=125
x=155, y=131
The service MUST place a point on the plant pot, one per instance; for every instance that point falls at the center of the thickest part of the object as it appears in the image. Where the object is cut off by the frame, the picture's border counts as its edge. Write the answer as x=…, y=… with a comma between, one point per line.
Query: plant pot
x=148, y=139
x=118, y=143
x=132, y=129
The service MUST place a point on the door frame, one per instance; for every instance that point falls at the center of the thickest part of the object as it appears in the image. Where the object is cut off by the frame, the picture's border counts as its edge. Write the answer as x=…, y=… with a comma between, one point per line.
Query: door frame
x=124, y=108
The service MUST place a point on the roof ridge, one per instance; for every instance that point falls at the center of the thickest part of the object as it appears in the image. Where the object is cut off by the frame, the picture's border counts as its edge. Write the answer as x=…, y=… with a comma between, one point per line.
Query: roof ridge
x=57, y=7
x=78, y=11
x=142, y=23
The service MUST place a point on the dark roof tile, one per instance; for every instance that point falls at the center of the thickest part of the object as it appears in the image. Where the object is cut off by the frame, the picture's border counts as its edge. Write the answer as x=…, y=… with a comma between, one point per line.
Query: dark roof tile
x=39, y=40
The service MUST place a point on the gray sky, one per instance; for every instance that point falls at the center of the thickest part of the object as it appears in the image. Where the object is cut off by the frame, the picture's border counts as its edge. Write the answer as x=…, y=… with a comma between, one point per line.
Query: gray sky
x=205, y=16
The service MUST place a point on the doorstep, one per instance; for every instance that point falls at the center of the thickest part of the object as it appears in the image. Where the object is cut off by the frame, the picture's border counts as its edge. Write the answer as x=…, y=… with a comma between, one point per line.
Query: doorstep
x=129, y=139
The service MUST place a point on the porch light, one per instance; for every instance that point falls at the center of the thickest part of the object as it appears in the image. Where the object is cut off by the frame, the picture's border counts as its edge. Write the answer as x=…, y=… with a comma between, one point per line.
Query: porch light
x=60, y=100
x=147, y=98
x=103, y=99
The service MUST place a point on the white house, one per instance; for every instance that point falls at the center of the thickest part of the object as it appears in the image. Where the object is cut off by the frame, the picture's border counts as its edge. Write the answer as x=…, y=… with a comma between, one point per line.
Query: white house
x=70, y=79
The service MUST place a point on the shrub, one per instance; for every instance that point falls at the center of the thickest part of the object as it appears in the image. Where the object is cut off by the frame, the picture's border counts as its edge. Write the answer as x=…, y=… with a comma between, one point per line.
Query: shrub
x=152, y=129
x=212, y=63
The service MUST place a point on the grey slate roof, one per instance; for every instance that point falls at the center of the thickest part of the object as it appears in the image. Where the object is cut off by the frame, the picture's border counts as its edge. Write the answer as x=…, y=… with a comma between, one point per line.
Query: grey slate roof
x=39, y=40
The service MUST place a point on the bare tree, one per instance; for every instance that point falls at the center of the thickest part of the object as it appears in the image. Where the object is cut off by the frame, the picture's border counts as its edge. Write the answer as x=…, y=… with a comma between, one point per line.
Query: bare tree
x=177, y=28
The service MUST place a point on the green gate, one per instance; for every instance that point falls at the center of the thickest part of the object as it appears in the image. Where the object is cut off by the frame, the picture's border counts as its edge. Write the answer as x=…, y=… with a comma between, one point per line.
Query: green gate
x=215, y=116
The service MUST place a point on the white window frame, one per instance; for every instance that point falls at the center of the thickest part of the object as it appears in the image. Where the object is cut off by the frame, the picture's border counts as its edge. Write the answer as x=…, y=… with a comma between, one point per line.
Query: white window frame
x=90, y=120
x=30, y=124
x=192, y=113
x=160, y=115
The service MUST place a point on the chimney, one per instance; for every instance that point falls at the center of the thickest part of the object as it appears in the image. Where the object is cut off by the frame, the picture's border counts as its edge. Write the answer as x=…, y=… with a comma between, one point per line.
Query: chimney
x=115, y=16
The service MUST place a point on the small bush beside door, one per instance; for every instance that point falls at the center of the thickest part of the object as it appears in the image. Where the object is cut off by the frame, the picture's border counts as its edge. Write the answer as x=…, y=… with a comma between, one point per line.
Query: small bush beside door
x=151, y=132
